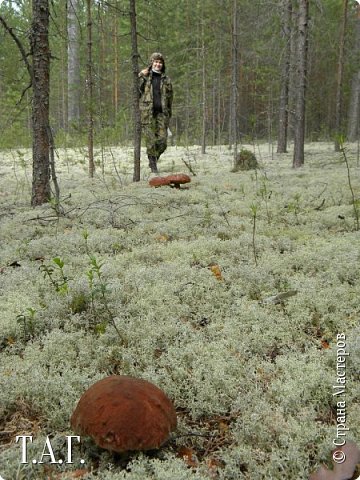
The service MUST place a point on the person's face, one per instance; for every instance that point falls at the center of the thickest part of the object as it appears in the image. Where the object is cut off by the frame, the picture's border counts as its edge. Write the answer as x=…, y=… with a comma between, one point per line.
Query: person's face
x=157, y=65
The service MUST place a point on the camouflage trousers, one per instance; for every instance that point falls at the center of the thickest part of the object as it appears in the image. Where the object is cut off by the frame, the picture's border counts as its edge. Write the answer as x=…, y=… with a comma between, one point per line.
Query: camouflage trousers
x=155, y=133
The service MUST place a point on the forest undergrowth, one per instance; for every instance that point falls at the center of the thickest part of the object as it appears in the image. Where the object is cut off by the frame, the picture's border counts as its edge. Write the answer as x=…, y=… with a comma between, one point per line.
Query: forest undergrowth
x=233, y=295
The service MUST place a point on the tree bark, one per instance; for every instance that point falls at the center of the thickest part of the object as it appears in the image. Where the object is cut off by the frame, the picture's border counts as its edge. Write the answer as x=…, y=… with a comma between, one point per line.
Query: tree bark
x=73, y=107
x=116, y=70
x=203, y=136
x=135, y=99
x=294, y=34
x=90, y=99
x=234, y=82
x=39, y=41
x=39, y=73
x=339, y=79
x=285, y=73
x=354, y=106
x=299, y=134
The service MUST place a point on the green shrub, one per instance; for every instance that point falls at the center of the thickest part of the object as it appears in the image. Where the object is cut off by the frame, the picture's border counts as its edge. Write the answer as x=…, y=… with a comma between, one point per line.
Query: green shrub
x=245, y=160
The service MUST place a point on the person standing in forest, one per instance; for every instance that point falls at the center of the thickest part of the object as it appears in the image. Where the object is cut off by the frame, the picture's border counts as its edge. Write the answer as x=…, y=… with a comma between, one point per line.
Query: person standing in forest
x=156, y=95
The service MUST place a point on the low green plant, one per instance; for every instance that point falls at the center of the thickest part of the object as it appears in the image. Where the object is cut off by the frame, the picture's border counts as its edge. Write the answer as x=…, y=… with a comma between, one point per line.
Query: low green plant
x=99, y=291
x=55, y=273
x=27, y=321
x=79, y=302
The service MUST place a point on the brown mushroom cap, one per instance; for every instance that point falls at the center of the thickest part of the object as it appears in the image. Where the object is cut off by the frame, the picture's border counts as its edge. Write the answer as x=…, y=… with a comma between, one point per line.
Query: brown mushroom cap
x=124, y=413
x=158, y=181
x=173, y=180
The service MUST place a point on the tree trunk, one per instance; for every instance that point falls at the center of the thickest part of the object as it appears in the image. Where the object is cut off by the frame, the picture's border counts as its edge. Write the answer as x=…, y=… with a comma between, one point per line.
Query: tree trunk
x=73, y=63
x=63, y=89
x=294, y=34
x=39, y=41
x=285, y=72
x=299, y=138
x=213, y=116
x=203, y=137
x=234, y=83
x=90, y=99
x=354, y=106
x=116, y=70
x=339, y=80
x=135, y=99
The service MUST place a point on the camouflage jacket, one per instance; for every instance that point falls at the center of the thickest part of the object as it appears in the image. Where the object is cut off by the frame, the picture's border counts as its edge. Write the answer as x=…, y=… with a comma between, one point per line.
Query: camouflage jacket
x=146, y=96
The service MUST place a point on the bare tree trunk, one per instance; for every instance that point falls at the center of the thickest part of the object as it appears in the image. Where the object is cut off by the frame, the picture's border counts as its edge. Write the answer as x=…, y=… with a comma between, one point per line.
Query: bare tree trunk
x=298, y=159
x=285, y=73
x=354, y=106
x=90, y=99
x=116, y=69
x=219, y=130
x=39, y=41
x=213, y=116
x=136, y=107
x=270, y=120
x=294, y=34
x=219, y=98
x=203, y=137
x=234, y=81
x=73, y=63
x=63, y=89
x=339, y=80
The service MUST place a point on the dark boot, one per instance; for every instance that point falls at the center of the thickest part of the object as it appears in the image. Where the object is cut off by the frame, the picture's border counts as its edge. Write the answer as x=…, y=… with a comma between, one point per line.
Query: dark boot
x=152, y=164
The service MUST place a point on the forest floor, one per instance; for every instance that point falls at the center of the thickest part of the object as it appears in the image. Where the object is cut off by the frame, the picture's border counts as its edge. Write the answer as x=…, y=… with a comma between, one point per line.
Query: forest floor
x=233, y=294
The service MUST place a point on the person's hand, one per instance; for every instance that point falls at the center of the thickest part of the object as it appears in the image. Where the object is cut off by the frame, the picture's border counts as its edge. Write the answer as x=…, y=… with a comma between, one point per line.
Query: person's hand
x=145, y=72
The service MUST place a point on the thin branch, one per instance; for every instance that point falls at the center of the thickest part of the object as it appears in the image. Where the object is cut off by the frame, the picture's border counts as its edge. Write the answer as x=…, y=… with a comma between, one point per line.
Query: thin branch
x=189, y=167
x=125, y=13
x=23, y=93
x=19, y=45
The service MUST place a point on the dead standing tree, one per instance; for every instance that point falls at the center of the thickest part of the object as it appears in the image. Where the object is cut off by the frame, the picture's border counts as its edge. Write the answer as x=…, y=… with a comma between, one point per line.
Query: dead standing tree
x=39, y=72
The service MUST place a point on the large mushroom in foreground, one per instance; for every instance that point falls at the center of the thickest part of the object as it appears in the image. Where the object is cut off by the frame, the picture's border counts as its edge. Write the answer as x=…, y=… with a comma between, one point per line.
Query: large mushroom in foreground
x=174, y=180
x=122, y=413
